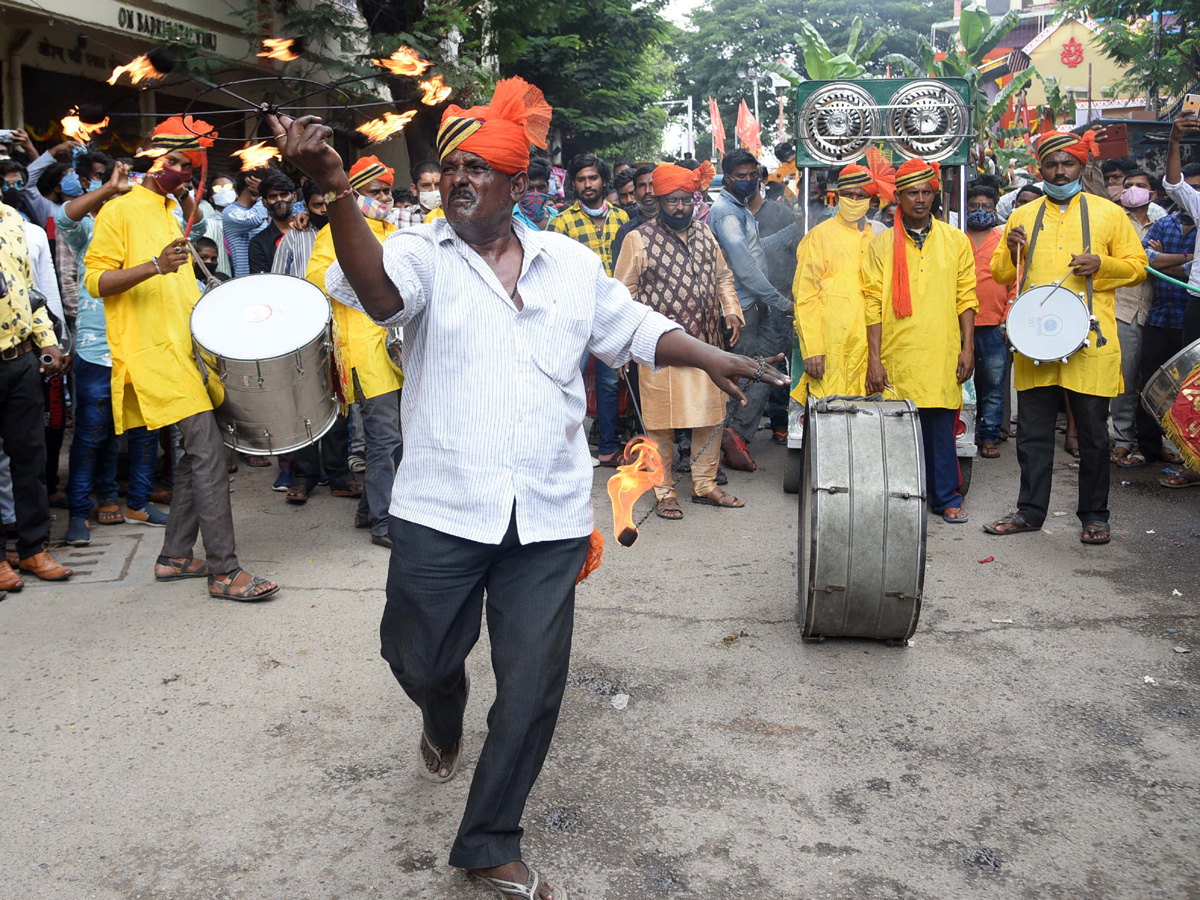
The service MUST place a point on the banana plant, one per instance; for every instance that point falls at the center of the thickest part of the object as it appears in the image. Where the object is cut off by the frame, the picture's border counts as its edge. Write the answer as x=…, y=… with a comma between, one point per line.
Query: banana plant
x=821, y=63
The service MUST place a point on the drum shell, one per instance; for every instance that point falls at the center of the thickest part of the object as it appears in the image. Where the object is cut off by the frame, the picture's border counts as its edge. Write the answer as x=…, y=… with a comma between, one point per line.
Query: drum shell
x=1030, y=301
x=861, y=560
x=1158, y=396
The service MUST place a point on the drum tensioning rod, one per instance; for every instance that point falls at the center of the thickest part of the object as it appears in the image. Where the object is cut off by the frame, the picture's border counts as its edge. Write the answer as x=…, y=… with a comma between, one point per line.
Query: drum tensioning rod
x=1175, y=281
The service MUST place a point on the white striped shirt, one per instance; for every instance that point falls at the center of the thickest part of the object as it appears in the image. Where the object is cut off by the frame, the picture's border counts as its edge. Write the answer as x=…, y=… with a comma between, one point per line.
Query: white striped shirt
x=493, y=400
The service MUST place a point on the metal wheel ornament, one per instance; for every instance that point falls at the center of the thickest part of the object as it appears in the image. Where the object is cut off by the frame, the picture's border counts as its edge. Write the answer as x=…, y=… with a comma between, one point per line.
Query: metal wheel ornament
x=838, y=123
x=927, y=120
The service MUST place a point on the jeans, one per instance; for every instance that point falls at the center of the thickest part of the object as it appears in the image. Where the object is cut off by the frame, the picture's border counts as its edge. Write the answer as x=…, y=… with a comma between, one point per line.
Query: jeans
x=608, y=412
x=381, y=431
x=777, y=402
x=942, y=476
x=1124, y=406
x=757, y=339
x=991, y=380
x=93, y=460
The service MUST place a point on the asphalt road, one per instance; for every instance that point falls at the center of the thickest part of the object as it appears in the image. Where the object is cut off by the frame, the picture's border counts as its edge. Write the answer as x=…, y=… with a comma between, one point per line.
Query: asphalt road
x=159, y=744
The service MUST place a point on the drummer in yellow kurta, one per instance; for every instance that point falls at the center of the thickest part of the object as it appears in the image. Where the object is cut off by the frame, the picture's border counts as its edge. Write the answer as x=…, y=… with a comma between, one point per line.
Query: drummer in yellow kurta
x=830, y=314
x=367, y=370
x=919, y=287
x=1113, y=256
x=138, y=263
x=674, y=265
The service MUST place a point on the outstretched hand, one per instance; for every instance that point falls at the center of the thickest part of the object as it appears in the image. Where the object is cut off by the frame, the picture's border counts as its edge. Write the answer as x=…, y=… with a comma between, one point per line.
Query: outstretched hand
x=304, y=143
x=727, y=368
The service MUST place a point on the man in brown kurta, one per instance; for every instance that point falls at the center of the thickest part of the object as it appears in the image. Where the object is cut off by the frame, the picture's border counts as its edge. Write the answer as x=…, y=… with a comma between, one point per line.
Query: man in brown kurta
x=674, y=265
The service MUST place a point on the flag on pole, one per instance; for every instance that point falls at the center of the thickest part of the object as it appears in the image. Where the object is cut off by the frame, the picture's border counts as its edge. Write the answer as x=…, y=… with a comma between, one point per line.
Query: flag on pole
x=748, y=130
x=718, y=128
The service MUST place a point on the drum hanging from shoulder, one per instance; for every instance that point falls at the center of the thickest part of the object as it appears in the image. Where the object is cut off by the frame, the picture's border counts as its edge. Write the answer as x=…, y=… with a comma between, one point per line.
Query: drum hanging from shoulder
x=263, y=343
x=1048, y=323
x=1158, y=396
x=861, y=560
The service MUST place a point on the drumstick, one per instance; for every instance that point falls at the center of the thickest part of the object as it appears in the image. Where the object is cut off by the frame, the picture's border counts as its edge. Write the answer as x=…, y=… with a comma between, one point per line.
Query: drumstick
x=1070, y=272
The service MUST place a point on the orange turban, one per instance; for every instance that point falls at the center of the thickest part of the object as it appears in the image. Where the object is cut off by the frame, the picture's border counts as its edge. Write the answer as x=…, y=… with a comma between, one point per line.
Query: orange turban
x=1079, y=146
x=502, y=131
x=369, y=169
x=670, y=178
x=856, y=176
x=189, y=136
x=914, y=172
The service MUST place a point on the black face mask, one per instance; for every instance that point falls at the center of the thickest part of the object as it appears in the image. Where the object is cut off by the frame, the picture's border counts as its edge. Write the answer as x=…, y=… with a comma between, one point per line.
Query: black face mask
x=318, y=222
x=200, y=276
x=280, y=209
x=630, y=208
x=675, y=221
x=12, y=197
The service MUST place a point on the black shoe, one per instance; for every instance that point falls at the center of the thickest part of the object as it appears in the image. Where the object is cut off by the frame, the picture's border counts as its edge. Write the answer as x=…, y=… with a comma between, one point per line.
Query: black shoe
x=721, y=478
x=361, y=521
x=383, y=540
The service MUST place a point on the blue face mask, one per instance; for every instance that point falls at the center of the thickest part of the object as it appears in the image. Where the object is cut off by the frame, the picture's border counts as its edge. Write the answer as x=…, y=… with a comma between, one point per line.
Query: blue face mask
x=1062, y=192
x=95, y=184
x=980, y=219
x=743, y=187
x=70, y=185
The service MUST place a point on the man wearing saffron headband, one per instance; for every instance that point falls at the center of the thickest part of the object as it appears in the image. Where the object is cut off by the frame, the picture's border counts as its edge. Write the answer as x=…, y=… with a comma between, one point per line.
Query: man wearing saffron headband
x=1092, y=244
x=673, y=265
x=138, y=264
x=919, y=285
x=494, y=491
x=830, y=311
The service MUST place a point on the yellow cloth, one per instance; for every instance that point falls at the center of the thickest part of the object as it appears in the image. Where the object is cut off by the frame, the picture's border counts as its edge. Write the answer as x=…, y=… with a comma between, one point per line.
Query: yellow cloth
x=434, y=214
x=361, y=343
x=155, y=381
x=830, y=312
x=920, y=352
x=1093, y=370
x=20, y=322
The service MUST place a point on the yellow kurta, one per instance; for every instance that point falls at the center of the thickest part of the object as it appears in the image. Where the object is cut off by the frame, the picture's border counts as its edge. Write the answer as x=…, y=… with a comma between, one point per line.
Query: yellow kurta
x=155, y=381
x=830, y=311
x=920, y=352
x=678, y=396
x=1093, y=370
x=361, y=343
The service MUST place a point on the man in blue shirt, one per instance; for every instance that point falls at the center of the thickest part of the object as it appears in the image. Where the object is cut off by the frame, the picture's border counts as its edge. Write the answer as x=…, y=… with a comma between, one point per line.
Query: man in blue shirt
x=736, y=230
x=244, y=218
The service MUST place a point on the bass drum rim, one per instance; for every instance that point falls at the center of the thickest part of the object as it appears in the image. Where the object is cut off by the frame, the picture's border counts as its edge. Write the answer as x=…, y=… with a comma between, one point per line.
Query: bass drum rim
x=216, y=354
x=1174, y=371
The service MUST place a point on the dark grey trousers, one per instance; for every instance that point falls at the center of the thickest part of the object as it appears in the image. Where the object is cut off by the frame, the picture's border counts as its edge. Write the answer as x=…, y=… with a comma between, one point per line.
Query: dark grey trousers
x=200, y=505
x=381, y=426
x=435, y=597
x=758, y=338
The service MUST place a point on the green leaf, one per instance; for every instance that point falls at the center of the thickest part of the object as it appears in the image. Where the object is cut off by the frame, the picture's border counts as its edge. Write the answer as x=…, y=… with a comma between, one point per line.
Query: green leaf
x=999, y=104
x=871, y=47
x=911, y=68
x=783, y=70
x=972, y=26
x=855, y=31
x=998, y=32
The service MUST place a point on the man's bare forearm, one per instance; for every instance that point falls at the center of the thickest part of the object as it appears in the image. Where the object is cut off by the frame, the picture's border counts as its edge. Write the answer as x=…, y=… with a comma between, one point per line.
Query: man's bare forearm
x=360, y=256
x=875, y=341
x=678, y=348
x=118, y=281
x=966, y=322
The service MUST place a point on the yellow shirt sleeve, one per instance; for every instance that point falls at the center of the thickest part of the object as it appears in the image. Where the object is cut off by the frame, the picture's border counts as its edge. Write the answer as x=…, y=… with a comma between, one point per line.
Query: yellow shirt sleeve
x=806, y=291
x=106, y=253
x=872, y=278
x=1004, y=270
x=322, y=258
x=968, y=297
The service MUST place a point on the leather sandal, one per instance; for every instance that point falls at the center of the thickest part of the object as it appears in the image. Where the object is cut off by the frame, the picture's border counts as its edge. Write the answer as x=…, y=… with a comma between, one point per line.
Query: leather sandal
x=527, y=891
x=349, y=489
x=427, y=744
x=9, y=580
x=183, y=568
x=719, y=498
x=298, y=494
x=44, y=567
x=668, y=508
x=245, y=593
x=109, y=512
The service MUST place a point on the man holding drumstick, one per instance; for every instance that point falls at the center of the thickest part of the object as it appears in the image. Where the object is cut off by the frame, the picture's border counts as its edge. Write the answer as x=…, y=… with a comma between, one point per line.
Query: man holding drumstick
x=1049, y=236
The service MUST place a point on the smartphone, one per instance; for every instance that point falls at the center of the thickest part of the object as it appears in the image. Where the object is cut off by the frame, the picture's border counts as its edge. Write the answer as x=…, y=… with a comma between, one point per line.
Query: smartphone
x=1116, y=142
x=6, y=134
x=1191, y=104
x=136, y=177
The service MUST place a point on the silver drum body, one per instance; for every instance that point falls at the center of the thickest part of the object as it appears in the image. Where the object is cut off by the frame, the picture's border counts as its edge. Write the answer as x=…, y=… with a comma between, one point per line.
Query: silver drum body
x=861, y=560
x=263, y=343
x=1158, y=396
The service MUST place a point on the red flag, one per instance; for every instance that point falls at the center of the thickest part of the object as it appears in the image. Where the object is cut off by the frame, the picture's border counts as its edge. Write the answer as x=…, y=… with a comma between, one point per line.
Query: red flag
x=718, y=128
x=748, y=130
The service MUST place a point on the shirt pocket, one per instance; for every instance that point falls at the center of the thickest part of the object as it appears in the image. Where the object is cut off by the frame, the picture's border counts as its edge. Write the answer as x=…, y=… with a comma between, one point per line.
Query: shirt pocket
x=558, y=340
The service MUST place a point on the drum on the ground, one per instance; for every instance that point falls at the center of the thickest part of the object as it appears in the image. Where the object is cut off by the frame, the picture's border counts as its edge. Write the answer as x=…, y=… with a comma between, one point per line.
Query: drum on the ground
x=861, y=560
x=1048, y=323
x=1158, y=396
x=263, y=343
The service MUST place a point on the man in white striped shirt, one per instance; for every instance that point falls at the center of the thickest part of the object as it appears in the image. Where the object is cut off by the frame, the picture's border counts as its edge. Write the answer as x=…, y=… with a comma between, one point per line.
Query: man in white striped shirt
x=494, y=491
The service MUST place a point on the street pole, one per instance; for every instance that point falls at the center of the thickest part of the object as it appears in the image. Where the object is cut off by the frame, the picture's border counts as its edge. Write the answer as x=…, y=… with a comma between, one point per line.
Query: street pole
x=691, y=126
x=756, y=118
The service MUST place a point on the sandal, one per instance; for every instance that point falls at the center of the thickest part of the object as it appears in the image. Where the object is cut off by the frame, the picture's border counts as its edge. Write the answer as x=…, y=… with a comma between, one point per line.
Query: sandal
x=256, y=462
x=427, y=744
x=1016, y=520
x=1095, y=533
x=110, y=513
x=245, y=592
x=719, y=498
x=526, y=891
x=955, y=520
x=349, y=489
x=298, y=494
x=989, y=450
x=1134, y=460
x=1183, y=478
x=668, y=508
x=182, y=568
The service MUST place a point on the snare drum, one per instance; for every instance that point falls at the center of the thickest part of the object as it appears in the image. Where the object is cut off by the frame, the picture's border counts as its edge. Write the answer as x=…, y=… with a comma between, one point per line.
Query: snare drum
x=1048, y=323
x=263, y=343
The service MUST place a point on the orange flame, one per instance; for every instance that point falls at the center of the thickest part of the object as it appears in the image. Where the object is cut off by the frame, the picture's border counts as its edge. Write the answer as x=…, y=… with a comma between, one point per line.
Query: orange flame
x=630, y=482
x=153, y=152
x=436, y=90
x=80, y=131
x=256, y=155
x=138, y=70
x=279, y=48
x=386, y=125
x=405, y=61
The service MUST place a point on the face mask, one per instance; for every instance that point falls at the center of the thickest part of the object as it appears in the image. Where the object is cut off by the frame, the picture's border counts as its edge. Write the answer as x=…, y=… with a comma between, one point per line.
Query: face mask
x=743, y=188
x=595, y=213
x=70, y=185
x=1133, y=197
x=1185, y=219
x=224, y=196
x=372, y=208
x=200, y=276
x=675, y=221
x=1114, y=191
x=12, y=196
x=980, y=219
x=533, y=204
x=629, y=208
x=280, y=209
x=317, y=222
x=170, y=180
x=1063, y=192
x=648, y=207
x=852, y=210
x=95, y=184
x=430, y=200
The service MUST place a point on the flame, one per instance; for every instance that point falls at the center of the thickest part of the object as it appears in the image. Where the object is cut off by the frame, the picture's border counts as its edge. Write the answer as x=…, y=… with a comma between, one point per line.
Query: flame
x=630, y=482
x=256, y=156
x=153, y=152
x=436, y=90
x=387, y=125
x=73, y=128
x=279, y=48
x=405, y=61
x=138, y=70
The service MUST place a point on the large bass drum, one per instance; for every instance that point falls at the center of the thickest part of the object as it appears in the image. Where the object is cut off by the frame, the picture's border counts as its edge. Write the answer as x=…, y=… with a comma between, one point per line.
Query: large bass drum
x=862, y=519
x=263, y=343
x=1158, y=396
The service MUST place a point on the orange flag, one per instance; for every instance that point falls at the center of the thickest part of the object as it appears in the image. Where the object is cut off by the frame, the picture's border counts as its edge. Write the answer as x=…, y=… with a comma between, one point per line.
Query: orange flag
x=718, y=128
x=748, y=130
